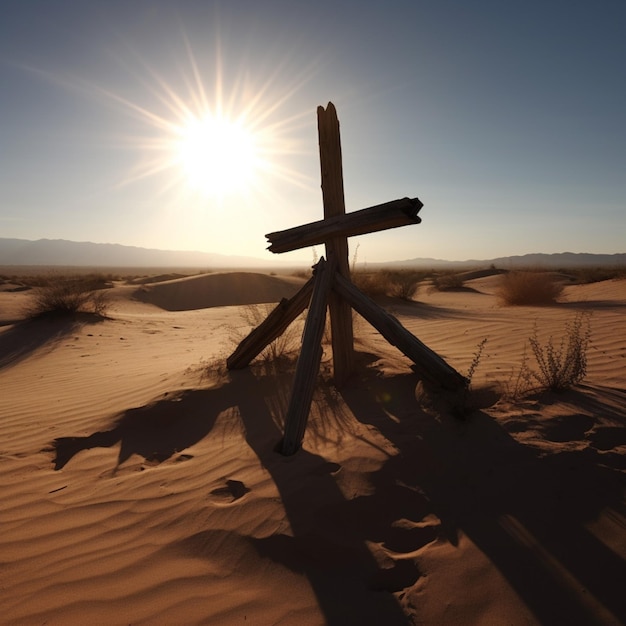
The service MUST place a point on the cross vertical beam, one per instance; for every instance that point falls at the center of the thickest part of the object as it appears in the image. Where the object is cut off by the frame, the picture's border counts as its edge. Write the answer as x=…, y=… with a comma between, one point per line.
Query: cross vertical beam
x=336, y=247
x=331, y=288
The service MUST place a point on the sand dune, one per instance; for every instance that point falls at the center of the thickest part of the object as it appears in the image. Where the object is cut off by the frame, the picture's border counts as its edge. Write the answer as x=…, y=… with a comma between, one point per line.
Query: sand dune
x=224, y=289
x=140, y=483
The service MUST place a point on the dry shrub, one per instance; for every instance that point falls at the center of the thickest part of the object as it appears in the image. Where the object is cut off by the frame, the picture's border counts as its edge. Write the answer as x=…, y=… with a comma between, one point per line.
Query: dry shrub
x=65, y=296
x=403, y=283
x=372, y=284
x=284, y=348
x=528, y=288
x=566, y=365
x=448, y=281
x=395, y=283
x=558, y=367
x=462, y=405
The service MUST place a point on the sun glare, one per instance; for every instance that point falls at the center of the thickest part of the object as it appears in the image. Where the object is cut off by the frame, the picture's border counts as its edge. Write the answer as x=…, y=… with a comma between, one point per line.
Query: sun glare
x=217, y=155
x=207, y=136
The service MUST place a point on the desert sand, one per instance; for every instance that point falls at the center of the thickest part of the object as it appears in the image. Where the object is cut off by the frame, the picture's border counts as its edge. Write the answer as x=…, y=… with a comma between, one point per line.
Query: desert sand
x=140, y=482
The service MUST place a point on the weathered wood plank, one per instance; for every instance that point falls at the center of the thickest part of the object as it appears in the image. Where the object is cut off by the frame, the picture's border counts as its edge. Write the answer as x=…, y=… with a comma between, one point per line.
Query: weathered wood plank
x=272, y=327
x=309, y=359
x=336, y=247
x=402, y=212
x=429, y=364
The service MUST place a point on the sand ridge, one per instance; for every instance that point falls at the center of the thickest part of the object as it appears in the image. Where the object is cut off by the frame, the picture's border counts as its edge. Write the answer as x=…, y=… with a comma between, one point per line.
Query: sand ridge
x=219, y=289
x=141, y=483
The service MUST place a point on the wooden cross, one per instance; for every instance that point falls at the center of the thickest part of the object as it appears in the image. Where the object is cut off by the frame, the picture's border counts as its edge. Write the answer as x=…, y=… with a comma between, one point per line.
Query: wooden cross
x=331, y=287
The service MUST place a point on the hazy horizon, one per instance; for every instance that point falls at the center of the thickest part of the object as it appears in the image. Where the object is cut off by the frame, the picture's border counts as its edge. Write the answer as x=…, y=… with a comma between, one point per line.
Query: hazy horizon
x=193, y=127
x=55, y=252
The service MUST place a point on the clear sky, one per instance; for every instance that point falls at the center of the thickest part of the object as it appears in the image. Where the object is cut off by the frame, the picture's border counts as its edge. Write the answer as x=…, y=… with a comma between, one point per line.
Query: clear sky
x=506, y=118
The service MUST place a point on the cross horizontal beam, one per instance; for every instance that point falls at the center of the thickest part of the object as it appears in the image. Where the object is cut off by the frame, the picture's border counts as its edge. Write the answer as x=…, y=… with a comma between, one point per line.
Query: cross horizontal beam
x=392, y=214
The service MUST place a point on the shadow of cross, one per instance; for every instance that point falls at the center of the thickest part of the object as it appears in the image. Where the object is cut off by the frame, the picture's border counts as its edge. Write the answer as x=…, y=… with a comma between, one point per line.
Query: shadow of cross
x=331, y=288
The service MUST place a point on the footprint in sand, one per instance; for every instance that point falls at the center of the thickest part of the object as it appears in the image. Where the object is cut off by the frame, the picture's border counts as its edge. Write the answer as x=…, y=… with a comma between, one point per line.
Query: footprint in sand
x=233, y=491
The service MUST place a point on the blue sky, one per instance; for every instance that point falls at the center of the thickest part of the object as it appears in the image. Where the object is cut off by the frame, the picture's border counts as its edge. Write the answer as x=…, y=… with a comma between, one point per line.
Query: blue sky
x=507, y=119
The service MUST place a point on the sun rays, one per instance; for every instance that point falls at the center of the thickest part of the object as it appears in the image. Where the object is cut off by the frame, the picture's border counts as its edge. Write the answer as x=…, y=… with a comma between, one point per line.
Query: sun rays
x=190, y=135
x=216, y=140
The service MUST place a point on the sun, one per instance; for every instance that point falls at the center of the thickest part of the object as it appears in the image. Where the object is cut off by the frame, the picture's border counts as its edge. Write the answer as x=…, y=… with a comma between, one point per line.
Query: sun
x=218, y=156
x=209, y=136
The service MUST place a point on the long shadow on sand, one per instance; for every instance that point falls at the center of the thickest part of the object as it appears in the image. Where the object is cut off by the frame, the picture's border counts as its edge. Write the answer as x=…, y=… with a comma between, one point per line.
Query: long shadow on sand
x=331, y=553
x=592, y=305
x=421, y=310
x=155, y=432
x=23, y=338
x=527, y=514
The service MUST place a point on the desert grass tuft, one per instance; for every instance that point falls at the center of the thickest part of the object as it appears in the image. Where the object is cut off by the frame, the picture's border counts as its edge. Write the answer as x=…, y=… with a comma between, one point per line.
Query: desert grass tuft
x=528, y=288
x=284, y=349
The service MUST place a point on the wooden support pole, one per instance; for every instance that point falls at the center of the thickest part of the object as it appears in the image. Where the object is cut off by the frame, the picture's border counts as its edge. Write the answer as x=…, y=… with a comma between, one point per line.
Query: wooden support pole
x=272, y=327
x=429, y=364
x=308, y=365
x=336, y=247
x=392, y=214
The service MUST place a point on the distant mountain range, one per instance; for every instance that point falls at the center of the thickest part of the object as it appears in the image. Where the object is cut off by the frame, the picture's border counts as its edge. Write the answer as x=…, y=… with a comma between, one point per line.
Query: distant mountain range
x=60, y=252
x=536, y=260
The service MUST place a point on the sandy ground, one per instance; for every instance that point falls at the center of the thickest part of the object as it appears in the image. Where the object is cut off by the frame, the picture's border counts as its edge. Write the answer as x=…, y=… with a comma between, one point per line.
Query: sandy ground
x=140, y=482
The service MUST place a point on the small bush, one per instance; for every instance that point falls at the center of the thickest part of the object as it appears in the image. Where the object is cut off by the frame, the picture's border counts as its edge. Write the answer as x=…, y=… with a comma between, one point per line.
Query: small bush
x=448, y=281
x=566, y=365
x=528, y=288
x=403, y=283
x=67, y=296
x=558, y=367
x=372, y=284
x=395, y=283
